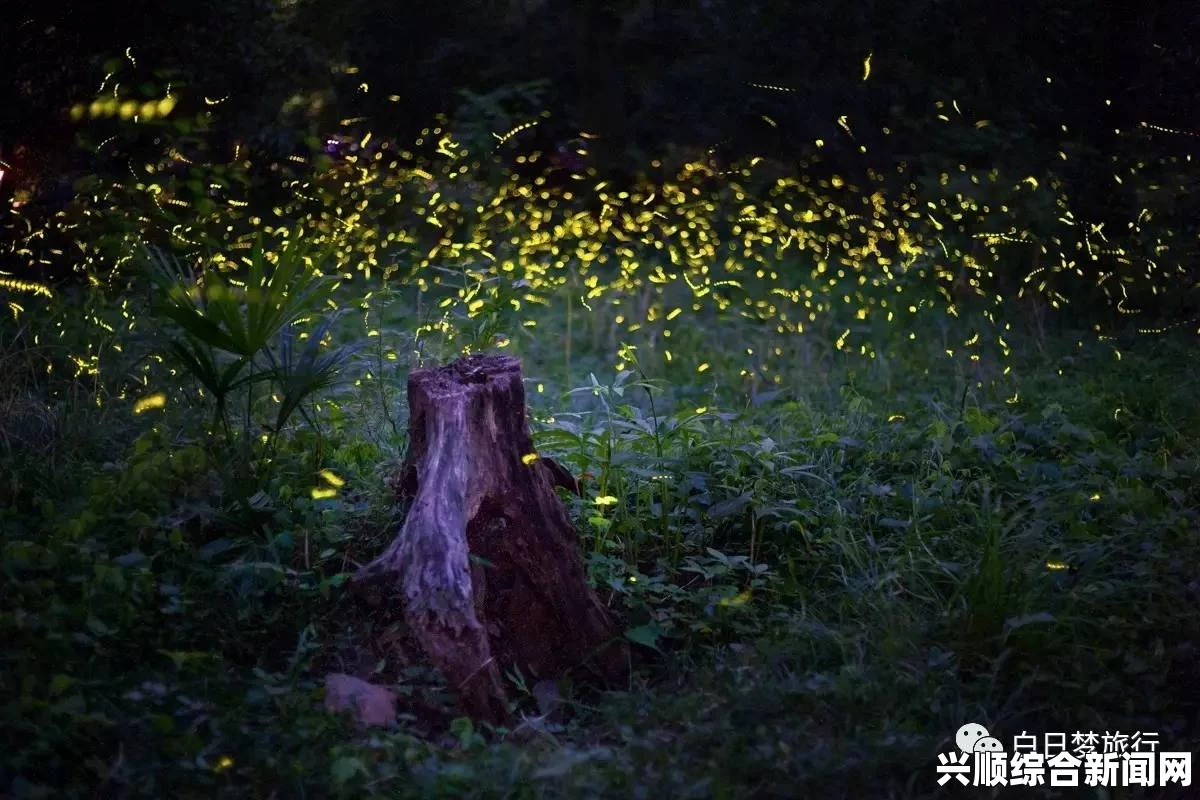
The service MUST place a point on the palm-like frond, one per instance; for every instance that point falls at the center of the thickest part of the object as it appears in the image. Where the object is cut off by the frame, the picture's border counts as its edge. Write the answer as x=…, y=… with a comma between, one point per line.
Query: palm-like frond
x=241, y=332
x=302, y=374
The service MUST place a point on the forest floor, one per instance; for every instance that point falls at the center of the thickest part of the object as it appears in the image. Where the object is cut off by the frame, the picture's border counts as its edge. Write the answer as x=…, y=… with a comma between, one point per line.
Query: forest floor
x=821, y=582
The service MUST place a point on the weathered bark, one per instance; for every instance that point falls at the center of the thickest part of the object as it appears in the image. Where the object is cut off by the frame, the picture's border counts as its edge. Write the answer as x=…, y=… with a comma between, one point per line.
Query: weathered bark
x=487, y=561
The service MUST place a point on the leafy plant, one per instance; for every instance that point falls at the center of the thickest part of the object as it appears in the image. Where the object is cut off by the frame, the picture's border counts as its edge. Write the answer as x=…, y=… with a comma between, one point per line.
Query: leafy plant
x=239, y=331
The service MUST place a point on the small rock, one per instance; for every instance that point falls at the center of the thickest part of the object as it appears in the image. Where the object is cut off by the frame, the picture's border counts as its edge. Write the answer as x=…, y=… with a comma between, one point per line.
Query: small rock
x=371, y=705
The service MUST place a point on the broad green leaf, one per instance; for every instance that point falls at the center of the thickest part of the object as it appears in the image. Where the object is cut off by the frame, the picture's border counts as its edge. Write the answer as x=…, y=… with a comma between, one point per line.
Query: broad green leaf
x=645, y=635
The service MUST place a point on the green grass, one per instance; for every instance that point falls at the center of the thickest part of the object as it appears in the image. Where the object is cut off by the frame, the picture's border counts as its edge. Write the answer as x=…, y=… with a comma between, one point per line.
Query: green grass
x=826, y=576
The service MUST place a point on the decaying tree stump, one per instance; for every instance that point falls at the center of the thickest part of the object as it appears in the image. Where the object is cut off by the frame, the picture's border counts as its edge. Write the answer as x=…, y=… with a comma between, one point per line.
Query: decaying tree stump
x=487, y=562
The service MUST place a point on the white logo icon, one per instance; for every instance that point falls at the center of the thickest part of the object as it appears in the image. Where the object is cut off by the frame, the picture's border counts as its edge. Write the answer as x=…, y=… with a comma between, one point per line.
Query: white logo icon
x=974, y=738
x=989, y=744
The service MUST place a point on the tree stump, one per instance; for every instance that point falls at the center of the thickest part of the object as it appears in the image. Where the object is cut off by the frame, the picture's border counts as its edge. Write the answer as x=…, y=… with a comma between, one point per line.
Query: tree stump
x=487, y=562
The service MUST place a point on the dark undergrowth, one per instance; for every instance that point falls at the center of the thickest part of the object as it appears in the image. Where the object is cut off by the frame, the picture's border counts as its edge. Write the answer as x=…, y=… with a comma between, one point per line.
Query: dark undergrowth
x=822, y=581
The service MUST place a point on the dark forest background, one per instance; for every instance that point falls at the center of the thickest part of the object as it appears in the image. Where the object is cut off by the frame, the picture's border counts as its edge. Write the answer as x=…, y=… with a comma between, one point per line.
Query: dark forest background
x=639, y=74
